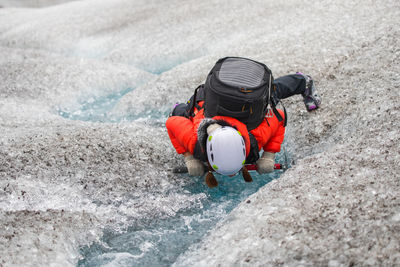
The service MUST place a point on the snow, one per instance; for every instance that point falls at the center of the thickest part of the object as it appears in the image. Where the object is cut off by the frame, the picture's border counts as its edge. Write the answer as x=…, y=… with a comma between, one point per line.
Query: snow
x=87, y=85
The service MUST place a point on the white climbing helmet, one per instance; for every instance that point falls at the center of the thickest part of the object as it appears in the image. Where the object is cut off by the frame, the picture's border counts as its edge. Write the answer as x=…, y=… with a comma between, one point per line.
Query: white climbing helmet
x=226, y=150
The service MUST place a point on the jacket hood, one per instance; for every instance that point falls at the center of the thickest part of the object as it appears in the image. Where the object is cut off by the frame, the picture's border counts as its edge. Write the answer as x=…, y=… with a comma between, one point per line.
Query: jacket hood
x=202, y=130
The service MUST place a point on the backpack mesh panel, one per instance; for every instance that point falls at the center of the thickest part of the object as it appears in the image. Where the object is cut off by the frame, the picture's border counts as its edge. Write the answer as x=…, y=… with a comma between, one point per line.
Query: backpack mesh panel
x=241, y=72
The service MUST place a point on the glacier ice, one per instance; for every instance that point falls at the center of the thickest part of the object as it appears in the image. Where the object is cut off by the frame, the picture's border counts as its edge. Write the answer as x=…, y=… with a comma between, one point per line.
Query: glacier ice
x=86, y=87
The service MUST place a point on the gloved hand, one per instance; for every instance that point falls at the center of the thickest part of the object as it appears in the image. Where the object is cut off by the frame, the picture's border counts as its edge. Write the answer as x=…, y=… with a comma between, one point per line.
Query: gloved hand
x=212, y=128
x=266, y=163
x=195, y=167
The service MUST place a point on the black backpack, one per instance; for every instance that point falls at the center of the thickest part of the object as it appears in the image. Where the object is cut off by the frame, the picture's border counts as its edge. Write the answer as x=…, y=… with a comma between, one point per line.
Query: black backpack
x=240, y=88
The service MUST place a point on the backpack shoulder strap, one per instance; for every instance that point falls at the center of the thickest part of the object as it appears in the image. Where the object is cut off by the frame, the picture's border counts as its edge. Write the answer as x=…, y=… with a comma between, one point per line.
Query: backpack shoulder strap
x=195, y=99
x=274, y=101
x=278, y=115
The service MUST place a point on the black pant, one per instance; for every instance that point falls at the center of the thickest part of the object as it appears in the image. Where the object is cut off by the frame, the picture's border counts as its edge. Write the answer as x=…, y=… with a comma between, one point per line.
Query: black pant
x=289, y=85
x=286, y=86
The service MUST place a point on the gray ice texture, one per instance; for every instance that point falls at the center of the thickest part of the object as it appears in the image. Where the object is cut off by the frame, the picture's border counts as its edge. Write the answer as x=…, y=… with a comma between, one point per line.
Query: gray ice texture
x=64, y=180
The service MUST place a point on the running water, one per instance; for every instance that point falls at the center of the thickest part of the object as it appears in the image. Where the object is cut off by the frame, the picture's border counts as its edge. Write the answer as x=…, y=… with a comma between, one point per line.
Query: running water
x=95, y=109
x=159, y=242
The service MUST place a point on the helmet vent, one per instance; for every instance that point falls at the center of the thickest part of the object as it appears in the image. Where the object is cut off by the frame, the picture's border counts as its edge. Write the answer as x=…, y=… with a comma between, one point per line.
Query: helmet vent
x=212, y=157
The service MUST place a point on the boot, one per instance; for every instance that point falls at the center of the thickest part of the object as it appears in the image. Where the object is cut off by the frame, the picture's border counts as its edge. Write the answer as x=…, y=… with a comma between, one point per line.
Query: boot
x=311, y=99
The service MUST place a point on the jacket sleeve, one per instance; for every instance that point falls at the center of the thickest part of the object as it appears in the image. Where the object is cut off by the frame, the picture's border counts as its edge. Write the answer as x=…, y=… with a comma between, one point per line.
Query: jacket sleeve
x=182, y=134
x=278, y=133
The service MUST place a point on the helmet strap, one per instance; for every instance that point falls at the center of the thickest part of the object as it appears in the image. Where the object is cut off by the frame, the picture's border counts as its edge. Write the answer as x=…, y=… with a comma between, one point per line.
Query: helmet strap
x=210, y=178
x=246, y=175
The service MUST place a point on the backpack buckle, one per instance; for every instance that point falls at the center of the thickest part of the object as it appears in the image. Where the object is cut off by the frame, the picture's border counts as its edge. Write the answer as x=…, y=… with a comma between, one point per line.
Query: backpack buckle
x=269, y=113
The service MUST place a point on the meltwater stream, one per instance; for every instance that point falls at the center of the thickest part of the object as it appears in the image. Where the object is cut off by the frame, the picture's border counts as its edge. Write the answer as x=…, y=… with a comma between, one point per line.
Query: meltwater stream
x=160, y=241
x=95, y=108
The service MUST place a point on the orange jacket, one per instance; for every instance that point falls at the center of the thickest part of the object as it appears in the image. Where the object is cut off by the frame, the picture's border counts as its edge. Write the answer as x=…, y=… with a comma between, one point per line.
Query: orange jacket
x=184, y=132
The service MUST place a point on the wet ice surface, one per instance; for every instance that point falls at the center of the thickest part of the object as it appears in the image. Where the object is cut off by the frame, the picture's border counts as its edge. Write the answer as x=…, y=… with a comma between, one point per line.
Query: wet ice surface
x=84, y=157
